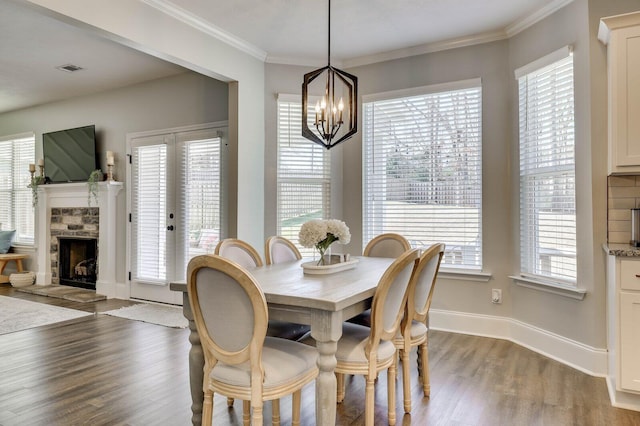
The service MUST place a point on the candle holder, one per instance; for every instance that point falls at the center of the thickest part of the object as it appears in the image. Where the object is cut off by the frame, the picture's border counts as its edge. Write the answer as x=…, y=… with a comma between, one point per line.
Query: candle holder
x=41, y=170
x=110, y=177
x=32, y=173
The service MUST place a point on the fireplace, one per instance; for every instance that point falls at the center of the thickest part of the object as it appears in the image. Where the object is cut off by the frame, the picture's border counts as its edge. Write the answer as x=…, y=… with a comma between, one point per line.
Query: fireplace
x=78, y=262
x=64, y=211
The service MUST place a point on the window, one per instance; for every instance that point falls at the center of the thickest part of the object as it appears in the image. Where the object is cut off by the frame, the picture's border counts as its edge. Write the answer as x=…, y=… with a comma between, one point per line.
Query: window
x=16, y=209
x=547, y=169
x=304, y=183
x=423, y=171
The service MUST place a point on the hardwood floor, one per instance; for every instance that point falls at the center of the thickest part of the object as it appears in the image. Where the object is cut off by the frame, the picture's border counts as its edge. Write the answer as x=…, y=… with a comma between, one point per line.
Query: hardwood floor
x=104, y=370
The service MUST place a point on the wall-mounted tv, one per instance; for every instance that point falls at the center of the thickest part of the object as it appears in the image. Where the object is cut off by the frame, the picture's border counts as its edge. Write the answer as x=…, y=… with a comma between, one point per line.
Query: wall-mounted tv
x=69, y=155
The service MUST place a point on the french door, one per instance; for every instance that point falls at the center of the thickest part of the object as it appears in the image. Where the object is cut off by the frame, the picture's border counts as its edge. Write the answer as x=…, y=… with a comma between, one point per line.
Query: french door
x=174, y=206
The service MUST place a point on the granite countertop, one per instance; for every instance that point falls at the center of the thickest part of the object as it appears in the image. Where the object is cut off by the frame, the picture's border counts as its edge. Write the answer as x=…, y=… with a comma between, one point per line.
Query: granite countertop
x=621, y=250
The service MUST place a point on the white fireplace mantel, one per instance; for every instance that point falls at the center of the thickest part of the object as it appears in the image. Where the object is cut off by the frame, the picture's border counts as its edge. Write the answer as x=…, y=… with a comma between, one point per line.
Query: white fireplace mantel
x=67, y=195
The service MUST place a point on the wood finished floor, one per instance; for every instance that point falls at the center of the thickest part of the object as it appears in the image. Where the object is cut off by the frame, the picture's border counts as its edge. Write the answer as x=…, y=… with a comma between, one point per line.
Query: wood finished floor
x=104, y=370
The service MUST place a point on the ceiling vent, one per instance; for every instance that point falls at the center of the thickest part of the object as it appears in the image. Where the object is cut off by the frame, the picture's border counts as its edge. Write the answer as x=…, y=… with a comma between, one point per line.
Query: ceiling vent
x=69, y=68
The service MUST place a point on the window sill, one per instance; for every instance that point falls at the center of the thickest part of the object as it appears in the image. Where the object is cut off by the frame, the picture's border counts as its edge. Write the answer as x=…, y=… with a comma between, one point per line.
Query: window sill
x=549, y=287
x=463, y=274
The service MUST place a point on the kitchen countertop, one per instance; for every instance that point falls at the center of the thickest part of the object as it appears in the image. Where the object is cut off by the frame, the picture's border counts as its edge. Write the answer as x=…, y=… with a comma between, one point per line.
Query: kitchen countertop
x=621, y=250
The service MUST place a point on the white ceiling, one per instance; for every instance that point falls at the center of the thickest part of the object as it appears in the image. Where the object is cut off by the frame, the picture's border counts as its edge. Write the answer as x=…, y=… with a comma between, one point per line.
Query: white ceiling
x=282, y=31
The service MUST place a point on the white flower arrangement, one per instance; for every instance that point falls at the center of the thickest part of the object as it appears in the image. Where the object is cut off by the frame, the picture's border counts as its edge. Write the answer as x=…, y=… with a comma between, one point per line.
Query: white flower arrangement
x=322, y=233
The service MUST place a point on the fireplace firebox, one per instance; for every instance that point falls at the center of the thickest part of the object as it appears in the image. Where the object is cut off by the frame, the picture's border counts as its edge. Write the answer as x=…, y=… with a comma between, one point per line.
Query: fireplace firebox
x=78, y=262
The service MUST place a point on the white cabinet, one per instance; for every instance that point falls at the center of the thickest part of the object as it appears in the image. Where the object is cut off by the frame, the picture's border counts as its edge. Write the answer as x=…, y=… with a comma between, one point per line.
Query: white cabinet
x=630, y=341
x=621, y=34
x=623, y=318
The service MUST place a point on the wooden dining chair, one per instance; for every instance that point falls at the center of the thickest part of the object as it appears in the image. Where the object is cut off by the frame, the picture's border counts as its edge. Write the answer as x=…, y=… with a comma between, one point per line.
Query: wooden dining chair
x=367, y=351
x=279, y=249
x=230, y=313
x=248, y=257
x=384, y=245
x=414, y=329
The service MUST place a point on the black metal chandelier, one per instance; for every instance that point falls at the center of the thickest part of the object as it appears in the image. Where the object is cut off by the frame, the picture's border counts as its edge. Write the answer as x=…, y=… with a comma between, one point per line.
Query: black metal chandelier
x=336, y=110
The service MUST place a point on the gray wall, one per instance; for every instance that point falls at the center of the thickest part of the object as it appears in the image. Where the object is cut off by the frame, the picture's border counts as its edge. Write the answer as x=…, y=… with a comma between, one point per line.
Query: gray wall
x=181, y=100
x=575, y=24
x=561, y=315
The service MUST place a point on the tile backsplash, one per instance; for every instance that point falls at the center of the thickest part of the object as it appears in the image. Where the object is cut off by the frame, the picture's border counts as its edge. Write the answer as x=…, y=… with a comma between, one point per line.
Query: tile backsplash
x=623, y=194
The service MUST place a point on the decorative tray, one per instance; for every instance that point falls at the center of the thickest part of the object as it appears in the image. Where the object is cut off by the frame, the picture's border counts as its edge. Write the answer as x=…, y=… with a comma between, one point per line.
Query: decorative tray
x=313, y=268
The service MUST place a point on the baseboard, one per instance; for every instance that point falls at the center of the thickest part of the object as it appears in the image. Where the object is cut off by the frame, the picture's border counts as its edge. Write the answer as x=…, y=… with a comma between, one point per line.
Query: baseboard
x=589, y=360
x=113, y=290
x=626, y=400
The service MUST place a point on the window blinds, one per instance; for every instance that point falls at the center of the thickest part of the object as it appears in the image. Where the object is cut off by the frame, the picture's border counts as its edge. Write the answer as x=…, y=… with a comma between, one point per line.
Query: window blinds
x=303, y=174
x=149, y=212
x=200, y=194
x=423, y=171
x=16, y=203
x=547, y=172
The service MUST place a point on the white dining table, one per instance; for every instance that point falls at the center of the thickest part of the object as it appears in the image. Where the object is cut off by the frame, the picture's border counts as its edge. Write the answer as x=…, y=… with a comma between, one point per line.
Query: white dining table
x=323, y=301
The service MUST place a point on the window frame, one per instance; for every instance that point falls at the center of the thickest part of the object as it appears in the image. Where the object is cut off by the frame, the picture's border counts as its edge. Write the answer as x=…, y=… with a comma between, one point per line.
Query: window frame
x=531, y=273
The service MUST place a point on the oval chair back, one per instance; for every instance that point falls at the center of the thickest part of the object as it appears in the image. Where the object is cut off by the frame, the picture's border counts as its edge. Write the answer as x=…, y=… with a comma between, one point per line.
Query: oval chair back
x=240, y=252
x=414, y=329
x=425, y=276
x=387, y=245
x=279, y=249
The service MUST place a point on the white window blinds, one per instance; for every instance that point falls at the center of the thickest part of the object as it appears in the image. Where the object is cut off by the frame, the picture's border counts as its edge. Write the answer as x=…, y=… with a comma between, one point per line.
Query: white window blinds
x=547, y=171
x=149, y=212
x=304, y=182
x=423, y=169
x=16, y=209
x=200, y=194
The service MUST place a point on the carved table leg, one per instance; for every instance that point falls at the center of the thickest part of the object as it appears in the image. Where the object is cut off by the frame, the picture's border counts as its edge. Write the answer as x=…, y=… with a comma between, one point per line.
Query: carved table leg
x=326, y=329
x=196, y=364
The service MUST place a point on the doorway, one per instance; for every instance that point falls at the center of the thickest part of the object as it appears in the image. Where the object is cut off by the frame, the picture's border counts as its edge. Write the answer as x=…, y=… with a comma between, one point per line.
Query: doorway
x=175, y=205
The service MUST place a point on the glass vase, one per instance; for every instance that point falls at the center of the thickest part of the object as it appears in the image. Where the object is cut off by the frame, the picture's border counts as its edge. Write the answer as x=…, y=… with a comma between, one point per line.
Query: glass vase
x=325, y=256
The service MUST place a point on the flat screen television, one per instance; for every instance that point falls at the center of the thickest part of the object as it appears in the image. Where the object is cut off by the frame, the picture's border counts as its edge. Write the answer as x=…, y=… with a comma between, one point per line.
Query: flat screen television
x=69, y=155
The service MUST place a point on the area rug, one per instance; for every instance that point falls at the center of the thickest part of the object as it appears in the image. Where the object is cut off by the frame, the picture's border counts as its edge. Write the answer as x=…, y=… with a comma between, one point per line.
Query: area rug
x=17, y=314
x=168, y=316
x=66, y=292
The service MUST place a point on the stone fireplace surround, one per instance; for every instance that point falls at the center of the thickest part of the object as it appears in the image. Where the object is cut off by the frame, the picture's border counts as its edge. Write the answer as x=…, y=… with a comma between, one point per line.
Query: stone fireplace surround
x=75, y=238
x=72, y=199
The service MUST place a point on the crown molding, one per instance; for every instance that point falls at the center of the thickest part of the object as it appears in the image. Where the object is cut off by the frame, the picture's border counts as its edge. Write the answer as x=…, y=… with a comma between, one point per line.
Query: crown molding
x=426, y=48
x=206, y=27
x=303, y=62
x=170, y=9
x=535, y=17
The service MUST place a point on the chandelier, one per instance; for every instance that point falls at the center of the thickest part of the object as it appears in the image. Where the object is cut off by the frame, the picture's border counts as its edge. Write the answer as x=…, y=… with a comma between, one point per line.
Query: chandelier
x=336, y=109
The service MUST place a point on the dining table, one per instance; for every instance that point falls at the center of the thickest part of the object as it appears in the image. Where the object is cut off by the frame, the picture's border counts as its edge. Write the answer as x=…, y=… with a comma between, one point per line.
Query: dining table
x=320, y=297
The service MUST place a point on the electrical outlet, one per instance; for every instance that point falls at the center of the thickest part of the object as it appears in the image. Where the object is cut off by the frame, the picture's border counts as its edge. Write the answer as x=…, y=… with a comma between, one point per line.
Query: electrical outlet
x=496, y=295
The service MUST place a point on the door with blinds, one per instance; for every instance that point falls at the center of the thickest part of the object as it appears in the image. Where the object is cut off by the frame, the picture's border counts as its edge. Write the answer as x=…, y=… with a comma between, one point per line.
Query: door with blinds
x=174, y=207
